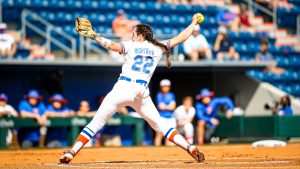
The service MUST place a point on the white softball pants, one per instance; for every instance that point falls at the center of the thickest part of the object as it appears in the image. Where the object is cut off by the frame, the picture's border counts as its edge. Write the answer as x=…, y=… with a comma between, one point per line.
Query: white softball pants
x=131, y=94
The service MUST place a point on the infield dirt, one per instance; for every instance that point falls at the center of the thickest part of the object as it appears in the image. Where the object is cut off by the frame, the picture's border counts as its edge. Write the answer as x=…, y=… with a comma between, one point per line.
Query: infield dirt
x=217, y=156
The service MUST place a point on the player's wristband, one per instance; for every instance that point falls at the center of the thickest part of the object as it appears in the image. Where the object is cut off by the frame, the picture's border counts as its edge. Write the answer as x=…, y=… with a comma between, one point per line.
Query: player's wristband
x=106, y=42
x=96, y=36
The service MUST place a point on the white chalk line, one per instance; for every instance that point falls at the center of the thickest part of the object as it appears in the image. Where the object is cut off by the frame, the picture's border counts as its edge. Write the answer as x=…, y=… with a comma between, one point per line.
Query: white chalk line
x=72, y=166
x=219, y=164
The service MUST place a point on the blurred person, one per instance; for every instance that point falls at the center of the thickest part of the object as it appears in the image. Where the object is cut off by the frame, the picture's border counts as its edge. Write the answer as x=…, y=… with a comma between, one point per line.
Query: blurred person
x=285, y=108
x=264, y=56
x=184, y=115
x=245, y=17
x=166, y=103
x=32, y=107
x=7, y=110
x=281, y=107
x=224, y=46
x=84, y=109
x=8, y=44
x=196, y=46
x=227, y=18
x=39, y=53
x=142, y=54
x=57, y=137
x=122, y=26
x=207, y=111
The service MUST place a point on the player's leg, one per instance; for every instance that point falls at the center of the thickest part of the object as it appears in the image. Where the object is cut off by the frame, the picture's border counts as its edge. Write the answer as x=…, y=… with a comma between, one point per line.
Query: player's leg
x=158, y=138
x=171, y=123
x=220, y=56
x=148, y=111
x=189, y=132
x=108, y=107
x=194, y=56
x=201, y=131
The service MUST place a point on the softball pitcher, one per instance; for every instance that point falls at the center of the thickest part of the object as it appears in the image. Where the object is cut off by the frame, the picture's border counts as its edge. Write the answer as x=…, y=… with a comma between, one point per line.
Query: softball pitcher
x=142, y=55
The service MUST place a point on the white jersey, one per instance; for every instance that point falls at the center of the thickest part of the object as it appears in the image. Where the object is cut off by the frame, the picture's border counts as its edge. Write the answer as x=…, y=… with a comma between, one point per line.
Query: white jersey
x=141, y=59
x=182, y=115
x=11, y=112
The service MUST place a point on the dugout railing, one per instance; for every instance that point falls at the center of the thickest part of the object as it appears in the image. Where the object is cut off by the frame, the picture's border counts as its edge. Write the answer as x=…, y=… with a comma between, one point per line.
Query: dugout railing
x=238, y=126
x=75, y=125
x=259, y=127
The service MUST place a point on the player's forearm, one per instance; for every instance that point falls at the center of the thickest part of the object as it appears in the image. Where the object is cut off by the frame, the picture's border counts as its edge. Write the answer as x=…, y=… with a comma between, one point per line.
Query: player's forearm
x=182, y=36
x=27, y=114
x=108, y=44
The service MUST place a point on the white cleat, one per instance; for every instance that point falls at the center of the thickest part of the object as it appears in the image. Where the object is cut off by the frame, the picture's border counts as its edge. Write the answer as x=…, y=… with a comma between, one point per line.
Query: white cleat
x=197, y=155
x=67, y=157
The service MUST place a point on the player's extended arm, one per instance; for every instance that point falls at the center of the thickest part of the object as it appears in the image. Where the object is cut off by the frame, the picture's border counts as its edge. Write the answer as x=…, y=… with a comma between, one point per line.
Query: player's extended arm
x=108, y=44
x=186, y=33
x=84, y=28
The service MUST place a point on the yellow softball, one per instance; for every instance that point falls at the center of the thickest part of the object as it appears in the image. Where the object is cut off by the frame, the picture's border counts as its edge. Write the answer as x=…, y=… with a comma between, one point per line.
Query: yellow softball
x=200, y=18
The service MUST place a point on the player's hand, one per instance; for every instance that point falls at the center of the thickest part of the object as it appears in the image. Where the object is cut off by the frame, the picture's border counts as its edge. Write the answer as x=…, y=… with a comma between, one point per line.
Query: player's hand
x=214, y=121
x=194, y=19
x=197, y=18
x=84, y=28
x=219, y=37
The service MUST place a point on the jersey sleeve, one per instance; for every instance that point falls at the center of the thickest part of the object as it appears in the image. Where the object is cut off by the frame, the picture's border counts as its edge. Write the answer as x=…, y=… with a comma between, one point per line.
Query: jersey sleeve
x=193, y=112
x=24, y=107
x=204, y=42
x=176, y=112
x=158, y=99
x=166, y=42
x=126, y=46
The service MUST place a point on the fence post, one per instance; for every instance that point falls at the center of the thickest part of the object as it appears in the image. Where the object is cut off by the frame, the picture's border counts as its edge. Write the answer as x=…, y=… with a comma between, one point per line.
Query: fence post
x=1, y=11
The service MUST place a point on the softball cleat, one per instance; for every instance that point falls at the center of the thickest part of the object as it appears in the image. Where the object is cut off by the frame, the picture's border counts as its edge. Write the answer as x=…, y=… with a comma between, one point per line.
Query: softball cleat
x=197, y=155
x=67, y=157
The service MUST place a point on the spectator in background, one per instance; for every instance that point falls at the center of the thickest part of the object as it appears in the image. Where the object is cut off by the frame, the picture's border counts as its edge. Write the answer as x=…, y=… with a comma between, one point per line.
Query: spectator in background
x=227, y=18
x=7, y=110
x=57, y=137
x=264, y=56
x=39, y=53
x=84, y=110
x=166, y=103
x=224, y=46
x=207, y=111
x=245, y=17
x=8, y=45
x=196, y=46
x=285, y=108
x=122, y=27
x=281, y=108
x=184, y=115
x=32, y=107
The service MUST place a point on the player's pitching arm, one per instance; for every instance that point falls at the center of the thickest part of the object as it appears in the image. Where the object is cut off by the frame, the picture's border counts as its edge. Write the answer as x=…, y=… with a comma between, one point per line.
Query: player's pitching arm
x=84, y=28
x=186, y=33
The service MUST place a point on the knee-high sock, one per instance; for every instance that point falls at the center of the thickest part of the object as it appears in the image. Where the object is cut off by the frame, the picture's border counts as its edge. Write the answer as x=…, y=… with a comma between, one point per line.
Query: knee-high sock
x=84, y=137
x=174, y=136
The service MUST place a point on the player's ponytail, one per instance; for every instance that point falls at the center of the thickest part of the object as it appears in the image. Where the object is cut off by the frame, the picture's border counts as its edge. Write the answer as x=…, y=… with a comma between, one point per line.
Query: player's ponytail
x=147, y=33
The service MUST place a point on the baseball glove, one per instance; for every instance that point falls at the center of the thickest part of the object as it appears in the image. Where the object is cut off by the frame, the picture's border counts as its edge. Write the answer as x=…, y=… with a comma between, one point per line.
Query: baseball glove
x=84, y=28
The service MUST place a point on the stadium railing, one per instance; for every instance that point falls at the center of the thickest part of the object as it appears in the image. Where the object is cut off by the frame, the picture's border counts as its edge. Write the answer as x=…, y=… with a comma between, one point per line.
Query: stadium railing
x=75, y=124
x=259, y=126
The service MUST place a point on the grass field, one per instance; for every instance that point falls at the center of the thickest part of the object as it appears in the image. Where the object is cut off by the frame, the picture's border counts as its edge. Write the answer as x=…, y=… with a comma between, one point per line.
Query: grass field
x=217, y=156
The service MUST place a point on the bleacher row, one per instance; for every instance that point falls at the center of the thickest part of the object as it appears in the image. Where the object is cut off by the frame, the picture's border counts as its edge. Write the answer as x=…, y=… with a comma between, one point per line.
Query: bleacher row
x=166, y=19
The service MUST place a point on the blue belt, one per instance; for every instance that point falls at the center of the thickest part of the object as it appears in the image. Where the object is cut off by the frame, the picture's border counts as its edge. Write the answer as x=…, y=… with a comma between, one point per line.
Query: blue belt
x=139, y=81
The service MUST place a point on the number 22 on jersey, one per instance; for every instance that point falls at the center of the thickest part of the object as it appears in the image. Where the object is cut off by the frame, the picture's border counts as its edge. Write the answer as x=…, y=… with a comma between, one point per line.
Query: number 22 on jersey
x=142, y=64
